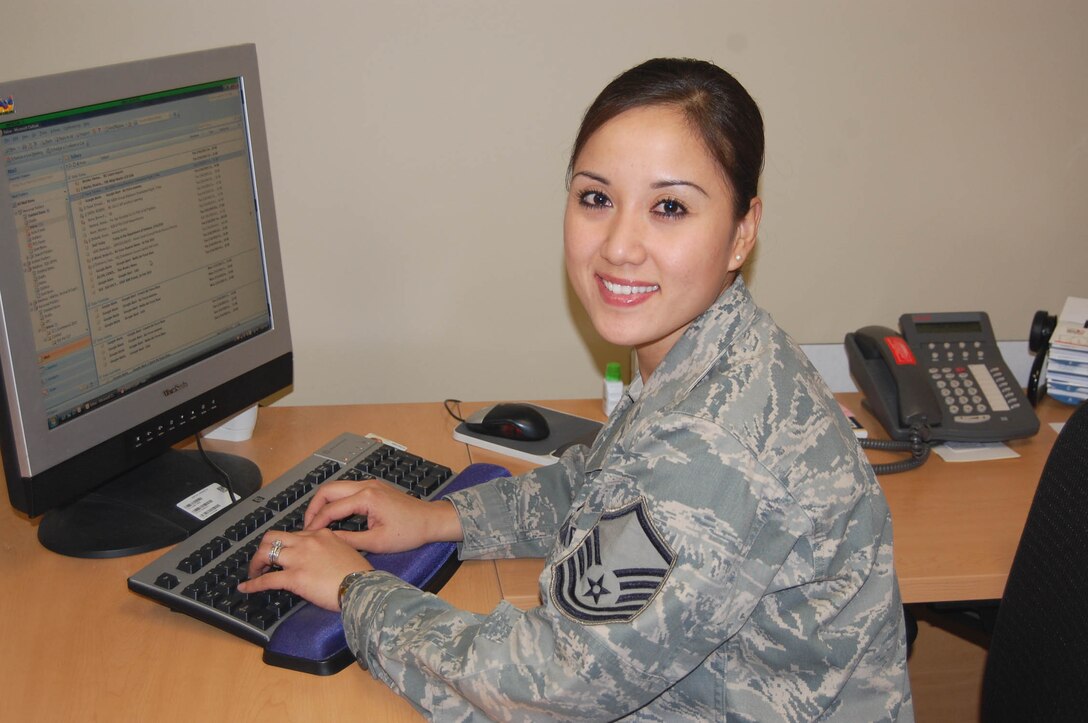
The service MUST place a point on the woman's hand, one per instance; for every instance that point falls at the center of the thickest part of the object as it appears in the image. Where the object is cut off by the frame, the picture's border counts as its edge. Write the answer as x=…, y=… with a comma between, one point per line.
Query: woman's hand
x=395, y=521
x=311, y=564
x=314, y=562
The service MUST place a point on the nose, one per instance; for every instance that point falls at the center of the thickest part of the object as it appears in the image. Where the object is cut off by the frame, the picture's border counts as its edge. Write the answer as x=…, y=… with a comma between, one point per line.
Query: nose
x=623, y=242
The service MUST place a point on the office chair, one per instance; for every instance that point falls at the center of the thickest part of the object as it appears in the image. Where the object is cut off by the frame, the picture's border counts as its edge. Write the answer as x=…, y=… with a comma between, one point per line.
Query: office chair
x=1037, y=665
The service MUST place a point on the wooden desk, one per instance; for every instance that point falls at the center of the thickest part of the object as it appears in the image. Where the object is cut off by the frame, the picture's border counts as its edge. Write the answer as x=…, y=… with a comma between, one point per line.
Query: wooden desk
x=77, y=645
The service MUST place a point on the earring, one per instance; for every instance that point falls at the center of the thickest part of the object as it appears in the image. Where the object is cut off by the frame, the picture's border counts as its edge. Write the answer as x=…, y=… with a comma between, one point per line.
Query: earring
x=738, y=257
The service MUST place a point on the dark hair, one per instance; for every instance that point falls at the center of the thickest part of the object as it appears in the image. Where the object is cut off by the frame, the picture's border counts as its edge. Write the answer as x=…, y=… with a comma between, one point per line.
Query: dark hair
x=718, y=107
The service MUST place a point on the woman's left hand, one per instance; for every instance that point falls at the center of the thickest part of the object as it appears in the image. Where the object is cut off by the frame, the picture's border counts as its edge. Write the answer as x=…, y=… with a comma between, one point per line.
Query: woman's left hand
x=311, y=564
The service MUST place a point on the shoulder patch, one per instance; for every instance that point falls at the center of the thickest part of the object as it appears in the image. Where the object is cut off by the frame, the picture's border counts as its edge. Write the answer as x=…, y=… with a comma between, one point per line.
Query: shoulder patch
x=615, y=572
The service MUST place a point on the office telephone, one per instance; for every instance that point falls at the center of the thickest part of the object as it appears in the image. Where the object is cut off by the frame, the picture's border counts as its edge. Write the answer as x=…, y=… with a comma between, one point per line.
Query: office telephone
x=943, y=379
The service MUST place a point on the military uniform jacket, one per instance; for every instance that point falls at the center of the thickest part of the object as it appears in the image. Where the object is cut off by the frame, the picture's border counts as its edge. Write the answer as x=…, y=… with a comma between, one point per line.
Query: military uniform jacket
x=722, y=552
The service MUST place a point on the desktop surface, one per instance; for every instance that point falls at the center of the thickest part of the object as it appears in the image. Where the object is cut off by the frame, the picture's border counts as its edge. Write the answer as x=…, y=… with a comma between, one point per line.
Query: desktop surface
x=79, y=645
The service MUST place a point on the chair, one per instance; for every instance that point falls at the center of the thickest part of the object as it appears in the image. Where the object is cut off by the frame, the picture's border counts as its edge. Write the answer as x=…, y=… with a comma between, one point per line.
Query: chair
x=1037, y=665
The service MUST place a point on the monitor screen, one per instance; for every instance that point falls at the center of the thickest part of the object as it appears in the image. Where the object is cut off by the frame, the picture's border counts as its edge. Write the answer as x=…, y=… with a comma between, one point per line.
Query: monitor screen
x=141, y=293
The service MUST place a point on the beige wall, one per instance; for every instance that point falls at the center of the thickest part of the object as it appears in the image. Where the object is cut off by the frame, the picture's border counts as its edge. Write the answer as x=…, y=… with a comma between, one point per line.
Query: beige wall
x=922, y=156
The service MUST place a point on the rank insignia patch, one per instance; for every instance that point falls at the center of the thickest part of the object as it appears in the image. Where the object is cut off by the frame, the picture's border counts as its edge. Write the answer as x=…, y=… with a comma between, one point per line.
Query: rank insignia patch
x=616, y=570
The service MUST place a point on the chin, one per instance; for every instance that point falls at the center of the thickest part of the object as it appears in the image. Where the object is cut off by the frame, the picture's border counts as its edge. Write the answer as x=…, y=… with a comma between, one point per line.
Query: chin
x=620, y=326
x=620, y=334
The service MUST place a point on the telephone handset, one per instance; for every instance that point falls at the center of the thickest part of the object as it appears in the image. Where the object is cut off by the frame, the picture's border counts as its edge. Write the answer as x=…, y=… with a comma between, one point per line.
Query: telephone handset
x=888, y=374
x=942, y=380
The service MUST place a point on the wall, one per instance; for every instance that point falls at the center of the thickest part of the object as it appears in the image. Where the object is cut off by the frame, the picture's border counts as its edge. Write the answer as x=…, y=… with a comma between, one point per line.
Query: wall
x=922, y=156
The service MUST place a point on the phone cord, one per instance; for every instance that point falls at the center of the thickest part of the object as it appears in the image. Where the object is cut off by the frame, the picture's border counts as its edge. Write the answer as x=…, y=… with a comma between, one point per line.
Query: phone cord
x=917, y=445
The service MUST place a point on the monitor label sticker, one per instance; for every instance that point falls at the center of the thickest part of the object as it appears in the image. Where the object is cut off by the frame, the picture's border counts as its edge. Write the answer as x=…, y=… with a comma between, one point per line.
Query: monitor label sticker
x=206, y=502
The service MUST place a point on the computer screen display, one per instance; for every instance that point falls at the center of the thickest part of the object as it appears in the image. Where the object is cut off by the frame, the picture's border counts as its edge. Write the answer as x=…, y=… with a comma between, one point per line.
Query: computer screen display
x=140, y=279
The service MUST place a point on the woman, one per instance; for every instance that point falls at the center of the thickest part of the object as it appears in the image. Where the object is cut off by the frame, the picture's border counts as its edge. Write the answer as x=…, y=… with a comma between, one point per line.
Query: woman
x=723, y=550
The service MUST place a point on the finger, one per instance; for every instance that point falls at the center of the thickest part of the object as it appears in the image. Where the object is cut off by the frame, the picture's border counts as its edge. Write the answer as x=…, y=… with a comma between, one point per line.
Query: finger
x=357, y=504
x=329, y=492
x=262, y=561
x=378, y=539
x=317, y=503
x=267, y=581
x=363, y=541
x=258, y=563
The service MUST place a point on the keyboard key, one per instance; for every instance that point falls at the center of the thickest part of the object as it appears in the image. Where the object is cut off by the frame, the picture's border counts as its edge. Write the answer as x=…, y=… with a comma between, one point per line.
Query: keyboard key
x=167, y=581
x=355, y=523
x=190, y=564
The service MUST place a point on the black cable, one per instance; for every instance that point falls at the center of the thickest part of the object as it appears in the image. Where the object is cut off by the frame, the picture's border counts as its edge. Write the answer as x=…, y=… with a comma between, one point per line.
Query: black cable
x=457, y=415
x=917, y=445
x=226, y=477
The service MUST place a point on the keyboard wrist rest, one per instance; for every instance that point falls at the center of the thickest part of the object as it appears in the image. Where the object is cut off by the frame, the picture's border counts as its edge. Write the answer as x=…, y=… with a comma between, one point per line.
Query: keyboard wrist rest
x=312, y=639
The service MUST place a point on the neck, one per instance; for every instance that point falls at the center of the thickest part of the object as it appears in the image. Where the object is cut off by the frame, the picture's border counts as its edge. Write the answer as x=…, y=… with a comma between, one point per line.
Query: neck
x=652, y=354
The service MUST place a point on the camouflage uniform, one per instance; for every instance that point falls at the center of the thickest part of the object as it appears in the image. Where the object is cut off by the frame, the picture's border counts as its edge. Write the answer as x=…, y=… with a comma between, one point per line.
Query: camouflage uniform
x=723, y=552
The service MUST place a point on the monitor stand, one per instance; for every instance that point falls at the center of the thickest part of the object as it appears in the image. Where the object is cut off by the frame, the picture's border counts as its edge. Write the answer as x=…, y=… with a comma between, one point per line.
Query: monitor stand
x=137, y=511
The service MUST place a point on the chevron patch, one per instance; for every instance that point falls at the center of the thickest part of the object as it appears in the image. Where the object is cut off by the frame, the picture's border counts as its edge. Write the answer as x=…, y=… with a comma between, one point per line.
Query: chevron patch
x=615, y=572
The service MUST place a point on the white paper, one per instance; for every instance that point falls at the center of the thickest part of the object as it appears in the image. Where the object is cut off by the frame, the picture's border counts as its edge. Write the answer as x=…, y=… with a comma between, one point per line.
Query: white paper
x=974, y=451
x=1070, y=332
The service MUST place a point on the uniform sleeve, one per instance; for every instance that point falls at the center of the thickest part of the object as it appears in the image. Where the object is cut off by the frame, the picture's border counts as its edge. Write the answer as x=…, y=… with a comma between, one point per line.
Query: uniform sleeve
x=637, y=594
x=519, y=516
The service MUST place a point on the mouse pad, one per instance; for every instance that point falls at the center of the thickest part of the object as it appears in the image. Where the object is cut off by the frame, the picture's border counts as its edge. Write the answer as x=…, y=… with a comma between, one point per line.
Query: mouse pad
x=565, y=430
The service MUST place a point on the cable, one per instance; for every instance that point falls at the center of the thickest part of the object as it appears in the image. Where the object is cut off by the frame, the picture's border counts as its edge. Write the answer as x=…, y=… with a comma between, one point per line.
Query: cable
x=918, y=446
x=457, y=415
x=226, y=477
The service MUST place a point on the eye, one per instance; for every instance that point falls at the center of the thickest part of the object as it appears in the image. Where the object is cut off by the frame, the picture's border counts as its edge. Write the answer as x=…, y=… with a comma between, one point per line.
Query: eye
x=670, y=208
x=594, y=199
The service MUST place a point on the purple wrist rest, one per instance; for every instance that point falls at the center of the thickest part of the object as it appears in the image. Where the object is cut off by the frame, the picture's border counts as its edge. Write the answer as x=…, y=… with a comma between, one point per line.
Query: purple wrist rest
x=312, y=639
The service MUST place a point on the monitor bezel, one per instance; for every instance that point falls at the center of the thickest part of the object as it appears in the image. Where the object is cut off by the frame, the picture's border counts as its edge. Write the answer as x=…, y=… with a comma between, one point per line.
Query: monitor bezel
x=43, y=466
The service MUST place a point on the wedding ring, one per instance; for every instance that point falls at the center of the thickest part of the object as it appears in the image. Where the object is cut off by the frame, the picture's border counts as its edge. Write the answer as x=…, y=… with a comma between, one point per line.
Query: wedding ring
x=274, y=553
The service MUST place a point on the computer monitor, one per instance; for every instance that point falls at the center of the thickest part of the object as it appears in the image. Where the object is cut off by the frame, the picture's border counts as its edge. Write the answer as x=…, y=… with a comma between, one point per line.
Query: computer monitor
x=141, y=293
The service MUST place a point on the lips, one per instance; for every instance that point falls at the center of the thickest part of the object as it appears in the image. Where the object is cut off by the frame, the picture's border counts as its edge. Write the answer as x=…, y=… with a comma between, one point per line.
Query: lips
x=625, y=293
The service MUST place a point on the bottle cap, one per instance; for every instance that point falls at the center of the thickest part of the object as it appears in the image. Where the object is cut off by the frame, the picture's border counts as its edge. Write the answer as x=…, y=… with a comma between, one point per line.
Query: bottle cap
x=612, y=372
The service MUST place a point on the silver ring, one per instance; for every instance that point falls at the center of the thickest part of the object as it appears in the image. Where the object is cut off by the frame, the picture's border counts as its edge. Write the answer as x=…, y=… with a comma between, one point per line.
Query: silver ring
x=274, y=553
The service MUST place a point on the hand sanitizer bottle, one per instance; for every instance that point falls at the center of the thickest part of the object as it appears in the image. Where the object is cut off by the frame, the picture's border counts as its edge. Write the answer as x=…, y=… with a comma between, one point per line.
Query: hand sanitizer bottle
x=613, y=387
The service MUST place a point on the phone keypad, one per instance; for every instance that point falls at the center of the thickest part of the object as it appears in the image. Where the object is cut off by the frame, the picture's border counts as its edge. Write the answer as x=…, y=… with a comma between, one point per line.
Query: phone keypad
x=969, y=388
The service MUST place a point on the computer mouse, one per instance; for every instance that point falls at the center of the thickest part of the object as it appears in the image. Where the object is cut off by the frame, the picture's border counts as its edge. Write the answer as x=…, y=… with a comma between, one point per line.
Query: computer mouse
x=510, y=420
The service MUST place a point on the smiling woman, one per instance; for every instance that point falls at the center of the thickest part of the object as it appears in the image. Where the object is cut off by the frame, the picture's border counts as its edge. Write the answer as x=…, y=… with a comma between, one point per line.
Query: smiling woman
x=650, y=237
x=722, y=550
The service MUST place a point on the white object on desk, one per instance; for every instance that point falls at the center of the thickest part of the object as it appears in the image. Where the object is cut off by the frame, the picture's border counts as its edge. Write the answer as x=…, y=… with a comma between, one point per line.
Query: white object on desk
x=238, y=428
x=974, y=451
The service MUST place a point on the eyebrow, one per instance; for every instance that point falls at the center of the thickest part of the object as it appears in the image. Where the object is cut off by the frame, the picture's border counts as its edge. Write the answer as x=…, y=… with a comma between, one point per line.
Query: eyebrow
x=664, y=183
x=592, y=177
x=677, y=182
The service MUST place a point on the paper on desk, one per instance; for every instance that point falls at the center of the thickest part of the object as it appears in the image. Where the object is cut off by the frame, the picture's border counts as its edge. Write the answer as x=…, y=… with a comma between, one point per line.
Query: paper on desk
x=1072, y=328
x=973, y=451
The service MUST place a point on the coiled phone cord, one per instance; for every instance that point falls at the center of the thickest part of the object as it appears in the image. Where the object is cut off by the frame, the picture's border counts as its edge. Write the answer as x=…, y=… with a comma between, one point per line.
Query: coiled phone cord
x=917, y=445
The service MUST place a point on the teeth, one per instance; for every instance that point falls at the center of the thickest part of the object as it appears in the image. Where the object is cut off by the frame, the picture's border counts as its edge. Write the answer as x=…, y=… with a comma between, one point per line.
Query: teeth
x=625, y=290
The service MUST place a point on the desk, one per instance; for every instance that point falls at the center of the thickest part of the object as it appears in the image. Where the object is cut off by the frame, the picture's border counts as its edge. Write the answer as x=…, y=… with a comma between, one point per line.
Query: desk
x=77, y=645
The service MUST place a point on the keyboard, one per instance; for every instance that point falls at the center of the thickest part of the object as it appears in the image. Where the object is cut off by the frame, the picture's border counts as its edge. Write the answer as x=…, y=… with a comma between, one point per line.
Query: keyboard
x=200, y=575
